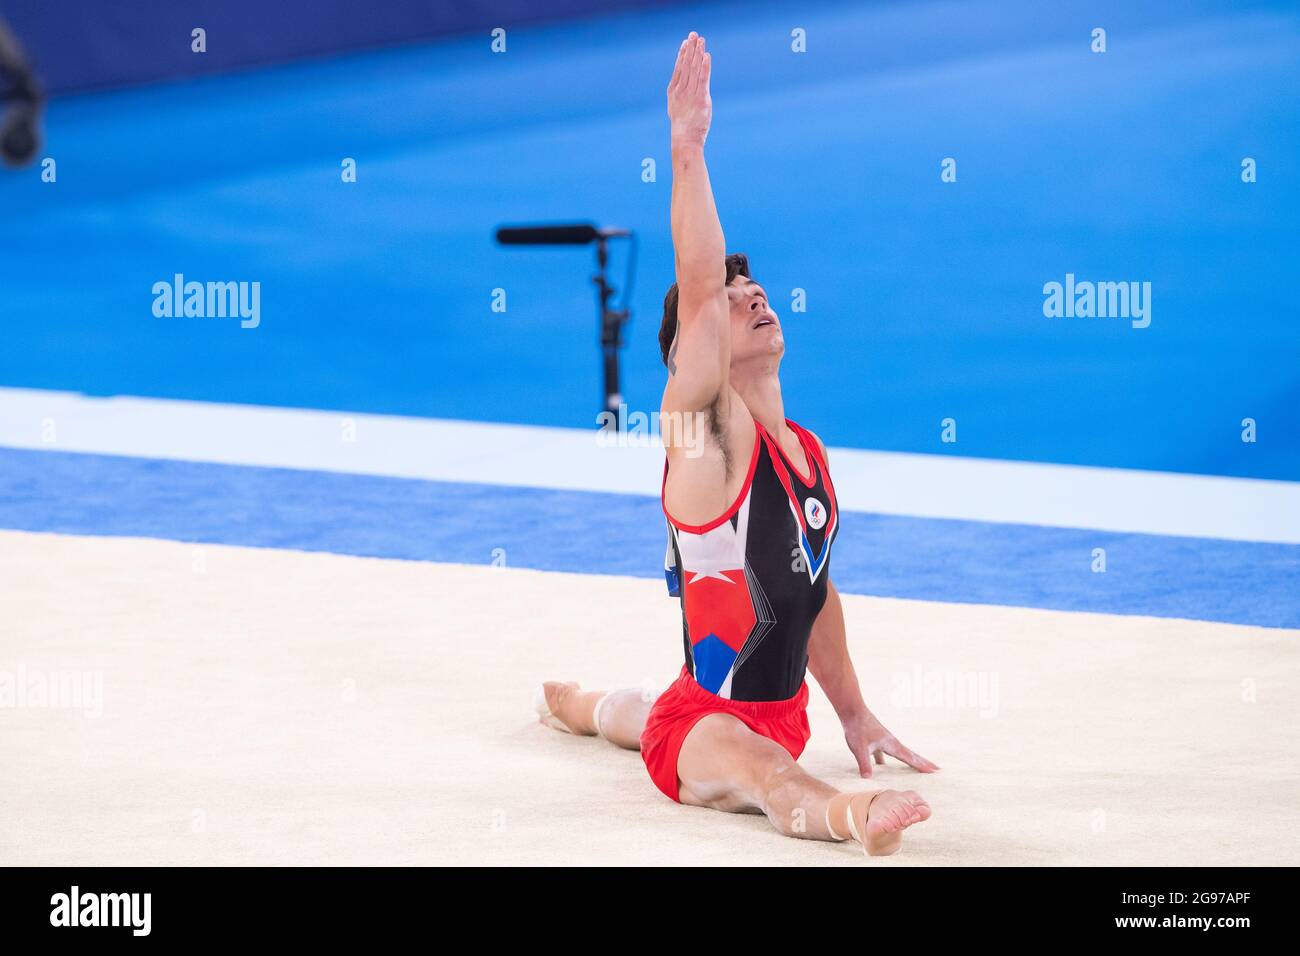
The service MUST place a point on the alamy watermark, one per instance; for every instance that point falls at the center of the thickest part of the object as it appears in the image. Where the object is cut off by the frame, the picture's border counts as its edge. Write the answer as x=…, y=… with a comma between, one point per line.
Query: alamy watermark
x=624, y=429
x=55, y=690
x=1101, y=300
x=77, y=908
x=950, y=690
x=208, y=300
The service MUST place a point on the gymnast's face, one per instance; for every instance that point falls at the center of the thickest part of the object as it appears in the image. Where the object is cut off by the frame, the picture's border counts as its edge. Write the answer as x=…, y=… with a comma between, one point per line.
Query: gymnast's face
x=755, y=329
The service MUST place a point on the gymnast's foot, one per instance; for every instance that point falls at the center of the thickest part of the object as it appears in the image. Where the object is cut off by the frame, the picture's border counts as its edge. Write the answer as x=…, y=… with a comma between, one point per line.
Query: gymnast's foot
x=887, y=814
x=562, y=705
x=875, y=818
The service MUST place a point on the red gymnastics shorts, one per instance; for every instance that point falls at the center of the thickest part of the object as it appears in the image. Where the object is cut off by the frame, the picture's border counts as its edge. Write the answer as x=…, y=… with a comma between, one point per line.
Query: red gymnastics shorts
x=681, y=706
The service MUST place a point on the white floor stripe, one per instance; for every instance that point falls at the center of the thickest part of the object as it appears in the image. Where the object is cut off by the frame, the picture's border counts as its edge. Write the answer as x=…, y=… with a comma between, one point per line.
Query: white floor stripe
x=519, y=455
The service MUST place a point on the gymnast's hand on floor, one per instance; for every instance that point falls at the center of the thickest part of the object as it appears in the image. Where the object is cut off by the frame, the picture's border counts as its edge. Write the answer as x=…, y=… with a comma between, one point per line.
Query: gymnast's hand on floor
x=690, y=108
x=867, y=738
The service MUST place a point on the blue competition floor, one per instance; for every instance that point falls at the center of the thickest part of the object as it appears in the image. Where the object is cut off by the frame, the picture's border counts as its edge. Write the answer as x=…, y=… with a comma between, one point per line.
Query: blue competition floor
x=926, y=559
x=924, y=298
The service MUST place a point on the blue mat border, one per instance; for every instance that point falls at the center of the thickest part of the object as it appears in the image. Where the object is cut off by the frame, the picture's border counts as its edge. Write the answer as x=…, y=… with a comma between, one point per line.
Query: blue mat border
x=586, y=532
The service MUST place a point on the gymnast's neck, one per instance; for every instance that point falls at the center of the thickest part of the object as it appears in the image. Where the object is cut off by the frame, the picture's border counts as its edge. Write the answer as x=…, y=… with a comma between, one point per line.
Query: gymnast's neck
x=759, y=386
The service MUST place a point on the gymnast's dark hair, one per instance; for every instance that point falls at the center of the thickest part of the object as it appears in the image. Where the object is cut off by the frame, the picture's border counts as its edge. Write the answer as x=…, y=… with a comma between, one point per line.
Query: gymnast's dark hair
x=737, y=265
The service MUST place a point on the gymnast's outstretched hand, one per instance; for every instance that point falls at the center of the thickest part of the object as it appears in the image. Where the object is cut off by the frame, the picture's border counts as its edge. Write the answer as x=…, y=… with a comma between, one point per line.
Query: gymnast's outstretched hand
x=867, y=738
x=690, y=108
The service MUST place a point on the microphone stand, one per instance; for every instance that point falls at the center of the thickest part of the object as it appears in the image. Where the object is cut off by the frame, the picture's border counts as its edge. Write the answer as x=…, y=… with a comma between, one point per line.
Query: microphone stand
x=612, y=319
x=611, y=328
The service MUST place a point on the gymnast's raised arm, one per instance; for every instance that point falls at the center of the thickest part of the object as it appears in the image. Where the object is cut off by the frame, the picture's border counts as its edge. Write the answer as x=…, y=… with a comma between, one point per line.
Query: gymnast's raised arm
x=700, y=356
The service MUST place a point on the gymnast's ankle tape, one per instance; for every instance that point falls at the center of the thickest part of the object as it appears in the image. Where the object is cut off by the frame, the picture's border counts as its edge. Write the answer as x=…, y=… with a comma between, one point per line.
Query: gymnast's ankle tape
x=595, y=714
x=848, y=813
x=848, y=805
x=830, y=829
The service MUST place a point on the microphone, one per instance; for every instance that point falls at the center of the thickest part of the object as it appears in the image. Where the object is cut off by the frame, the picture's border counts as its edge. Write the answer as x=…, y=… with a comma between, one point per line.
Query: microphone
x=563, y=234
x=612, y=319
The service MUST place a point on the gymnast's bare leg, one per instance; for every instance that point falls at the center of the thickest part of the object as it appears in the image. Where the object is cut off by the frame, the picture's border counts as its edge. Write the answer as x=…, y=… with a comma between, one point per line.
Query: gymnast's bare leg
x=725, y=766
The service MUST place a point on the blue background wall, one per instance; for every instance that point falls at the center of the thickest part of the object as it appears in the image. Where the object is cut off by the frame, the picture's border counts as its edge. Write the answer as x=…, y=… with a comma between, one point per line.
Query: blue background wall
x=924, y=298
x=85, y=44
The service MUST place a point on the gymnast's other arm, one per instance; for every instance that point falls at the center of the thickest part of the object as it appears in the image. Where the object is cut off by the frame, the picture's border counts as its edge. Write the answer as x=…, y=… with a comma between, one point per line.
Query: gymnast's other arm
x=830, y=664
